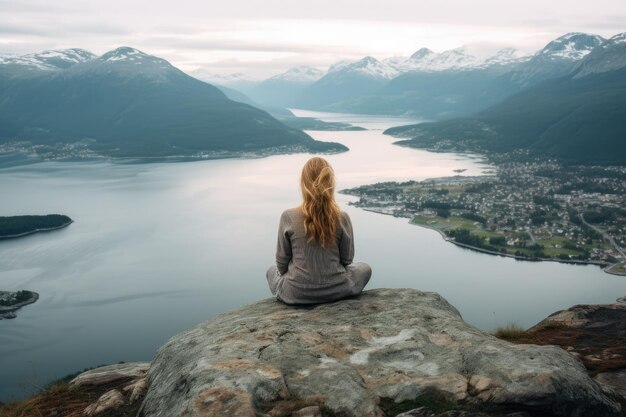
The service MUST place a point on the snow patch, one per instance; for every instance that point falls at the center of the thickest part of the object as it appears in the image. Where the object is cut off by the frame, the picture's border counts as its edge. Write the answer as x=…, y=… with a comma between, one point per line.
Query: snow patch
x=122, y=54
x=571, y=46
x=617, y=39
x=49, y=60
x=427, y=61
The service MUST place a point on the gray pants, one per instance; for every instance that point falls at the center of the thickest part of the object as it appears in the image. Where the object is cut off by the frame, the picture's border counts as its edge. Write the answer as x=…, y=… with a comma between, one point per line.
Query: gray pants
x=357, y=276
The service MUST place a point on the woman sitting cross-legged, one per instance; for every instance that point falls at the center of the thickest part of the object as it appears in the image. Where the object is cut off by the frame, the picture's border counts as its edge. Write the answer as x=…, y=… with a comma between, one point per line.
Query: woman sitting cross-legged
x=316, y=245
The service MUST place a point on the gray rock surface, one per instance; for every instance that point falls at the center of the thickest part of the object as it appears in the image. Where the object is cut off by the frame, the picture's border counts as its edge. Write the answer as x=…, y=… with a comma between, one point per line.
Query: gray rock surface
x=596, y=334
x=129, y=380
x=364, y=357
x=425, y=412
x=614, y=379
x=111, y=373
x=109, y=400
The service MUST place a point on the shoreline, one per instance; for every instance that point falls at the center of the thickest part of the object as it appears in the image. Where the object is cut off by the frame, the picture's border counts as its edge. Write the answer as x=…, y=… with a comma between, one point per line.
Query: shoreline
x=7, y=312
x=27, y=158
x=606, y=267
x=32, y=232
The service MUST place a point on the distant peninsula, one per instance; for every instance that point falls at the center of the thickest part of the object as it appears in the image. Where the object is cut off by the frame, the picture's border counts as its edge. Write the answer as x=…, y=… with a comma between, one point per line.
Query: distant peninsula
x=11, y=301
x=311, y=123
x=18, y=226
x=540, y=211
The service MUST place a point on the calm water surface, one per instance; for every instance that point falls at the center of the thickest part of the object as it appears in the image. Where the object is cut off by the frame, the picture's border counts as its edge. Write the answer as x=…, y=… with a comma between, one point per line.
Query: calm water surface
x=158, y=248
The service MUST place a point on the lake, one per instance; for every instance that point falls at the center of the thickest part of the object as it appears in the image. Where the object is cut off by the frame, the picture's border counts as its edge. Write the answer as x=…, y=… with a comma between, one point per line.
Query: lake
x=157, y=248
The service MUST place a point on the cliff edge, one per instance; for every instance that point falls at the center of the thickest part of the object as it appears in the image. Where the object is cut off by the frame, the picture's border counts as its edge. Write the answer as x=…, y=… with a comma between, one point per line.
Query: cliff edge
x=386, y=352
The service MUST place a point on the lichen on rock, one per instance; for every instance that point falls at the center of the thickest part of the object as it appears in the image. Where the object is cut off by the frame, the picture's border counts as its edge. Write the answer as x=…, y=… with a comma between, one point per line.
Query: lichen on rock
x=386, y=352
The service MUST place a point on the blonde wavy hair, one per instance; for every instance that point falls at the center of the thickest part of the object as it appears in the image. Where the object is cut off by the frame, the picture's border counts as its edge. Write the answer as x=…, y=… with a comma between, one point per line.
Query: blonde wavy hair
x=319, y=208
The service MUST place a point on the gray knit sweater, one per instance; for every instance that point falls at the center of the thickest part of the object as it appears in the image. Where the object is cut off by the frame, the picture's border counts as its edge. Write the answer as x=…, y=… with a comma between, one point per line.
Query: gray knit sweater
x=310, y=273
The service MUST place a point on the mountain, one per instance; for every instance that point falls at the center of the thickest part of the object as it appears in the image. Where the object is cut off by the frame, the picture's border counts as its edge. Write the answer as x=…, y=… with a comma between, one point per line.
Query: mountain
x=282, y=89
x=558, y=58
x=431, y=95
x=236, y=95
x=453, y=59
x=611, y=55
x=438, y=86
x=453, y=83
x=130, y=104
x=503, y=58
x=346, y=80
x=421, y=54
x=457, y=83
x=426, y=84
x=300, y=75
x=578, y=117
x=44, y=61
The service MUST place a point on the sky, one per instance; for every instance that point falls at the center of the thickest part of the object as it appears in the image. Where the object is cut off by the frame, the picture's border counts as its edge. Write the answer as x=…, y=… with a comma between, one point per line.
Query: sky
x=263, y=38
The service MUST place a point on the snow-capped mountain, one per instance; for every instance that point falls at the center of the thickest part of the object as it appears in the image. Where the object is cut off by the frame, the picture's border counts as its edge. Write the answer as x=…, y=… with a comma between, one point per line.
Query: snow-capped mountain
x=462, y=58
x=346, y=83
x=282, y=89
x=451, y=83
x=49, y=60
x=128, y=54
x=421, y=53
x=571, y=46
x=452, y=59
x=236, y=80
x=403, y=64
x=615, y=40
x=132, y=104
x=558, y=58
x=610, y=56
x=367, y=67
x=127, y=57
x=505, y=57
x=301, y=74
x=428, y=61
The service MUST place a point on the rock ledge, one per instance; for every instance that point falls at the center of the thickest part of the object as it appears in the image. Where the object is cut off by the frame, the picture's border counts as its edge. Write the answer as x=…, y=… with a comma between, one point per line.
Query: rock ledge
x=386, y=352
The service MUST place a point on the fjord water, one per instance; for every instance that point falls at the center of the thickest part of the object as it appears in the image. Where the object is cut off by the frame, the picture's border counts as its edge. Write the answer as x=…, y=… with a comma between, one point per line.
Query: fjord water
x=158, y=248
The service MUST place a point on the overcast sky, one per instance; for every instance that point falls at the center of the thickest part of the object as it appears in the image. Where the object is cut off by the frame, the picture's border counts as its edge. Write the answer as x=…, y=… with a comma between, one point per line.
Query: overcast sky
x=264, y=37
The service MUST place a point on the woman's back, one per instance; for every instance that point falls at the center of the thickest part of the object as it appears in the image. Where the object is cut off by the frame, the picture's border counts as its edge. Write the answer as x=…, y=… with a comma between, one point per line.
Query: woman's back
x=306, y=262
x=316, y=245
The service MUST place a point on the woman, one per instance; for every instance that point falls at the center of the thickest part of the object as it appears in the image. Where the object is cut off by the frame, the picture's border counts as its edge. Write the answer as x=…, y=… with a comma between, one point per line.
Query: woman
x=316, y=245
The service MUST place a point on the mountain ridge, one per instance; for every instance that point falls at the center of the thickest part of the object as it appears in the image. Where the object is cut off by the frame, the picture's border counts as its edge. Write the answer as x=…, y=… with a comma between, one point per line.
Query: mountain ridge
x=454, y=83
x=126, y=103
x=576, y=119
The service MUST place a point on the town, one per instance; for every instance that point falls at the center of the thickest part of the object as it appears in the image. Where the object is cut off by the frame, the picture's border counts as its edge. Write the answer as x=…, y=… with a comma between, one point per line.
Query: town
x=542, y=210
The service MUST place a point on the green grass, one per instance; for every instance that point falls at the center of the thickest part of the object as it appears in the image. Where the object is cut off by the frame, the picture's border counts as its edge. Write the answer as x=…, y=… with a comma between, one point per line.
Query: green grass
x=486, y=234
x=458, y=222
x=452, y=222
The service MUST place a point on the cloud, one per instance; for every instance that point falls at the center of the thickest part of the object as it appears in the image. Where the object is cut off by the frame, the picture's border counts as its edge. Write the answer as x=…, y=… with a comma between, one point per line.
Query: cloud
x=12, y=7
x=265, y=36
x=238, y=45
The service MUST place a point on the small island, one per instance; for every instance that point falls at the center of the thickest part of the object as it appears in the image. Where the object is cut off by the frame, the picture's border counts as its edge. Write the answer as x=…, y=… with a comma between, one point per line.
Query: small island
x=12, y=301
x=18, y=226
